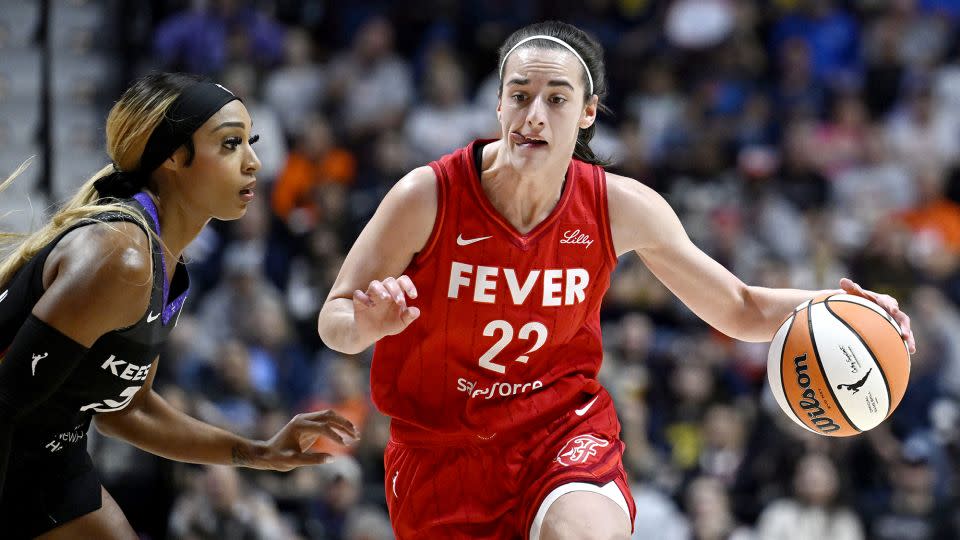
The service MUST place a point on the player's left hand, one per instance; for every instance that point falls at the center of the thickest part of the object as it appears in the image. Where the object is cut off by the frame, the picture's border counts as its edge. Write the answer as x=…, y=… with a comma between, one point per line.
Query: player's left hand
x=888, y=303
x=288, y=448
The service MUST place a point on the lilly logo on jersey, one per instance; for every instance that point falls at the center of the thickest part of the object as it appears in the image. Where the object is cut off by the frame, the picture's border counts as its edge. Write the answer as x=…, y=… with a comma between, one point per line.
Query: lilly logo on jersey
x=580, y=449
x=574, y=236
x=561, y=286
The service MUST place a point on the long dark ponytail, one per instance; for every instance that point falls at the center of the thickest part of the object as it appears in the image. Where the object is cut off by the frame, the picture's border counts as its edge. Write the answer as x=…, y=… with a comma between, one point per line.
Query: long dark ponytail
x=592, y=53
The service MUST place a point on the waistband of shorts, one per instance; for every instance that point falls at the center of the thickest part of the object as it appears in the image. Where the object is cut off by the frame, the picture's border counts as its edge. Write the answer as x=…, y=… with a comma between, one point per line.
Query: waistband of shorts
x=408, y=434
x=405, y=434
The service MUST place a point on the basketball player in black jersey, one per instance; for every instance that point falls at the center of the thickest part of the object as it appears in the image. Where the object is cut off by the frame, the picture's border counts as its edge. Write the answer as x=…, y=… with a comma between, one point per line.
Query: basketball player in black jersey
x=87, y=301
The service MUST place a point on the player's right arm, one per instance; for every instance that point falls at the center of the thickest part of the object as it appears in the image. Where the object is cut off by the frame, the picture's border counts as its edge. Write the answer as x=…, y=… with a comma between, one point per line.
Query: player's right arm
x=368, y=299
x=97, y=279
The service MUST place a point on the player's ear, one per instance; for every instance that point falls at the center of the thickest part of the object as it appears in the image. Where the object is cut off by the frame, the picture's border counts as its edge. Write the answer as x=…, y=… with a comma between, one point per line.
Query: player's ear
x=176, y=160
x=589, y=115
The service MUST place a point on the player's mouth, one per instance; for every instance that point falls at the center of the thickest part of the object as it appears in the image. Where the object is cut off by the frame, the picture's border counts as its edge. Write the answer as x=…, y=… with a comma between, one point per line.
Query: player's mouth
x=526, y=142
x=246, y=194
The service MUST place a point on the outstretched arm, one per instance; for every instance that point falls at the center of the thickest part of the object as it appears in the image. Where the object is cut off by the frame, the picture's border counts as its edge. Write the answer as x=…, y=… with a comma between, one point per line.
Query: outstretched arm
x=152, y=424
x=642, y=221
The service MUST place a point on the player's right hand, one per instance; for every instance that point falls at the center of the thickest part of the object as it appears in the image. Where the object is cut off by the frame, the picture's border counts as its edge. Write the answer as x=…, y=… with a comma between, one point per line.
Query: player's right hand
x=382, y=309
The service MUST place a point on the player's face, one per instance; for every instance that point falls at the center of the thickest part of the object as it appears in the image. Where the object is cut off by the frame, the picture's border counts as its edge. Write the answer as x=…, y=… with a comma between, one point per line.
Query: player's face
x=542, y=106
x=220, y=181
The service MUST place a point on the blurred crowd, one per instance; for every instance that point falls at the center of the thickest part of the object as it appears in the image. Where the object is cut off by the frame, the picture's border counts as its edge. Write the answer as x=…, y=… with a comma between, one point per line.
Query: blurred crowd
x=800, y=141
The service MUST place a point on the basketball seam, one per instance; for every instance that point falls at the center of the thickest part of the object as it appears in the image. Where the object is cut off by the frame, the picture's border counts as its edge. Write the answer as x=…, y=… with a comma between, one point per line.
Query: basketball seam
x=891, y=323
x=826, y=379
x=783, y=385
x=873, y=355
x=822, y=300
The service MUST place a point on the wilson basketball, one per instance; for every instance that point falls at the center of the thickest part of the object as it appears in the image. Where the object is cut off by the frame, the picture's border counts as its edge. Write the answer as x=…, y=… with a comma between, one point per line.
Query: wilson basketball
x=838, y=365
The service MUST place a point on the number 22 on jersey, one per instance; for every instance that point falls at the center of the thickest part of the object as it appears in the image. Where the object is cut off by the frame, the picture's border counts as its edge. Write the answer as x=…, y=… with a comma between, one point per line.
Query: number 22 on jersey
x=506, y=336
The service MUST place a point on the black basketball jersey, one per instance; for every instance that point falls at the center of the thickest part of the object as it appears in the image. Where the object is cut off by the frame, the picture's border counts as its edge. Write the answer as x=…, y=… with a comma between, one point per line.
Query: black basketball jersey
x=117, y=364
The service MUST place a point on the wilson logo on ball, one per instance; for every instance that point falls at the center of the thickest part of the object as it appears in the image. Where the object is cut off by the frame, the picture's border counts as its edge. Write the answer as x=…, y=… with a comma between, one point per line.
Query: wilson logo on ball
x=808, y=399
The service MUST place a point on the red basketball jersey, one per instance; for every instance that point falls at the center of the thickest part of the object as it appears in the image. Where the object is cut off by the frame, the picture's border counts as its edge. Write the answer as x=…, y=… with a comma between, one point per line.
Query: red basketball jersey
x=509, y=332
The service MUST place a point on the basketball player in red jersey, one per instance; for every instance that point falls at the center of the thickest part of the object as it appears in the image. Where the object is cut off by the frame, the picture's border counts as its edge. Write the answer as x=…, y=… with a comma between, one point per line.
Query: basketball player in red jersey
x=480, y=278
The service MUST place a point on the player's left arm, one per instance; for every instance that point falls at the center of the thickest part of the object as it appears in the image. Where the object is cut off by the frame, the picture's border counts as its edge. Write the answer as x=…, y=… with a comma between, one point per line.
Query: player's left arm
x=152, y=424
x=642, y=221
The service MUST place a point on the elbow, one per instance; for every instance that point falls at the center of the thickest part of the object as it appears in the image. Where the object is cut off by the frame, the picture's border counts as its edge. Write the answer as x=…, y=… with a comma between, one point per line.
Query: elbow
x=334, y=344
x=343, y=346
x=115, y=424
x=336, y=340
x=326, y=334
x=104, y=426
x=347, y=350
x=324, y=327
x=755, y=324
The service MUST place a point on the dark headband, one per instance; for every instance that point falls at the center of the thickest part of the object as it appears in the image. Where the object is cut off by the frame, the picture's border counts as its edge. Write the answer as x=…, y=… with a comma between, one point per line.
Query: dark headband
x=194, y=106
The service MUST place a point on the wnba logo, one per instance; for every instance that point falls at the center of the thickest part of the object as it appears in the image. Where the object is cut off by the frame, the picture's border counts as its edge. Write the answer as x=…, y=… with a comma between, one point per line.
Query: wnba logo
x=579, y=449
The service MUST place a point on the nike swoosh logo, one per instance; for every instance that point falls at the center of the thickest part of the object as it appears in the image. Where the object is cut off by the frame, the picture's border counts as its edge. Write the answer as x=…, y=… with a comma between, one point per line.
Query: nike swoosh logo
x=151, y=317
x=583, y=411
x=461, y=241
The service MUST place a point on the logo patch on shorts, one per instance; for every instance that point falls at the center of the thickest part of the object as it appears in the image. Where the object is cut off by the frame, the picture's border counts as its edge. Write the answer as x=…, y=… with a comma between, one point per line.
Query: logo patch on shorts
x=580, y=449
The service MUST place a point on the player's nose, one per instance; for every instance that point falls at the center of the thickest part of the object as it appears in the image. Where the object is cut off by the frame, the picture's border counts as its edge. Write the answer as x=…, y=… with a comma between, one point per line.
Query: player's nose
x=252, y=162
x=536, y=114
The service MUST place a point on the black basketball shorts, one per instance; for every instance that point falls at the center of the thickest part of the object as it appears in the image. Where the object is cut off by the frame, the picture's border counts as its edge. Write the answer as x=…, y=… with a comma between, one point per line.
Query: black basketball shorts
x=41, y=494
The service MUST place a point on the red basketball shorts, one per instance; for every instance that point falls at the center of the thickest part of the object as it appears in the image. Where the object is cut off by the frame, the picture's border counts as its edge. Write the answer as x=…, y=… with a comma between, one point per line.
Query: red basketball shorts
x=493, y=490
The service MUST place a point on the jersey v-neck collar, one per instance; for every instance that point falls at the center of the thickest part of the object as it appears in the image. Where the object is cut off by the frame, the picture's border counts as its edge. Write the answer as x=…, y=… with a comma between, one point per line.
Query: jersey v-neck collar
x=474, y=155
x=171, y=309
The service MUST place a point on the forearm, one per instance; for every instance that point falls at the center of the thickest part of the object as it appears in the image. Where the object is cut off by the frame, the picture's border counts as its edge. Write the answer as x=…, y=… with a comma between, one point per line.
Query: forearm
x=640, y=219
x=337, y=327
x=764, y=309
x=160, y=429
x=719, y=298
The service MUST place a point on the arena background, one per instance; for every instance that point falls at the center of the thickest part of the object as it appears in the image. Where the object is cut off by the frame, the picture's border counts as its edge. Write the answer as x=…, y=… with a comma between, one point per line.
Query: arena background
x=799, y=140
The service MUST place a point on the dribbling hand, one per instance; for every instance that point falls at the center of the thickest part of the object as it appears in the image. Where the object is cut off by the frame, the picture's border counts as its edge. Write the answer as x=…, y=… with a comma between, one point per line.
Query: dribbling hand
x=888, y=303
x=382, y=309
